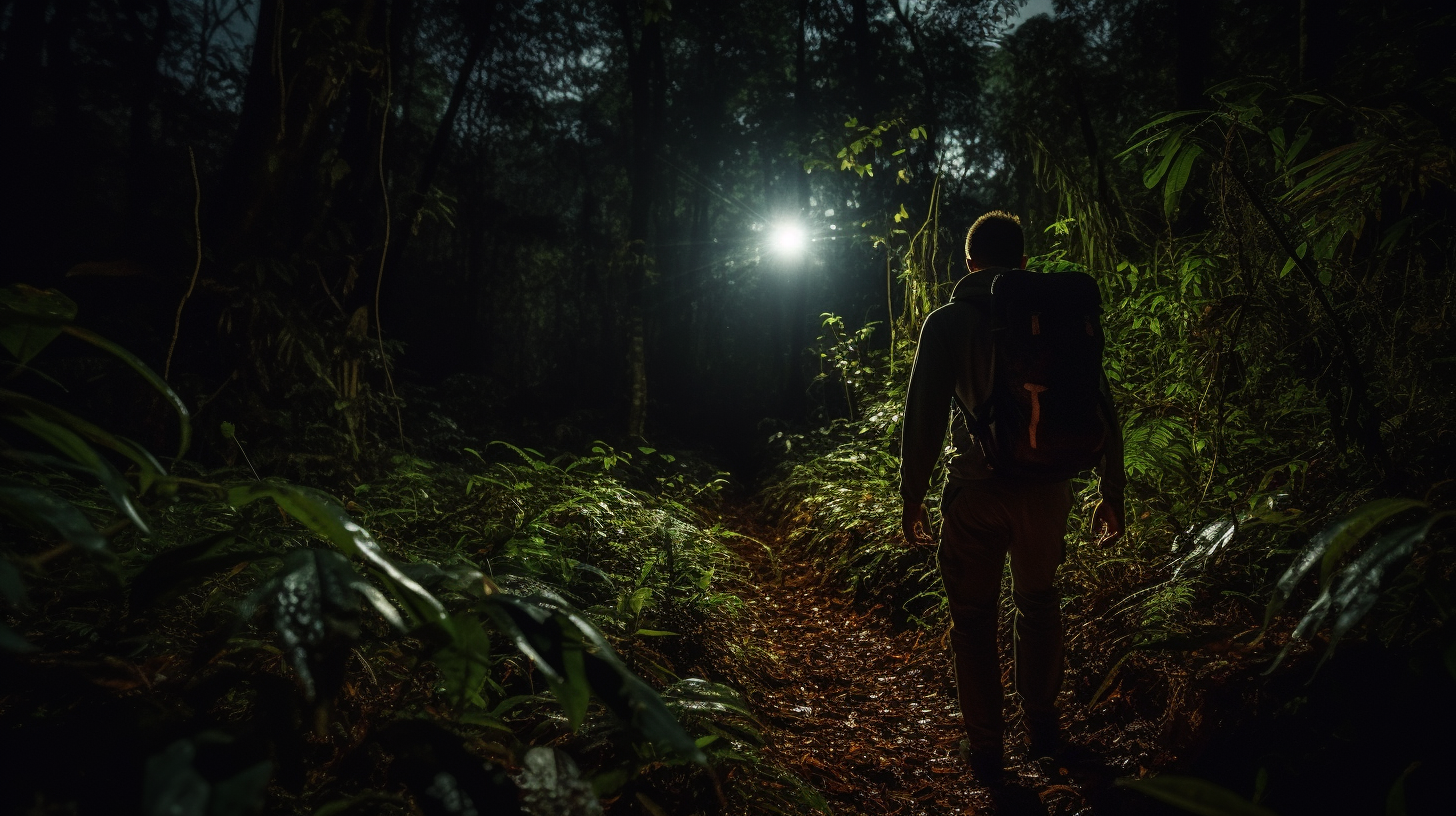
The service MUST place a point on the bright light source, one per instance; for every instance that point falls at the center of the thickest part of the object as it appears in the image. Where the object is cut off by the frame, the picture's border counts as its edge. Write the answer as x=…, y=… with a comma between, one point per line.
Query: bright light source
x=788, y=239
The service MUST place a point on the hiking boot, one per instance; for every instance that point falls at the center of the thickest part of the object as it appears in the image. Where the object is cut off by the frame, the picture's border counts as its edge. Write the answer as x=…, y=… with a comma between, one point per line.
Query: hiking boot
x=988, y=766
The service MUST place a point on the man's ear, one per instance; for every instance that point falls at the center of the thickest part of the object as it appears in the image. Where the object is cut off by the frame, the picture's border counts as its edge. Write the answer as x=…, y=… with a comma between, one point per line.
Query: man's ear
x=970, y=267
x=1023, y=261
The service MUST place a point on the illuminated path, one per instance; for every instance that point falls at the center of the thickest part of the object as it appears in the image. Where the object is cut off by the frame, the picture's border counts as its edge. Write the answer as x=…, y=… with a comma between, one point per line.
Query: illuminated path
x=863, y=712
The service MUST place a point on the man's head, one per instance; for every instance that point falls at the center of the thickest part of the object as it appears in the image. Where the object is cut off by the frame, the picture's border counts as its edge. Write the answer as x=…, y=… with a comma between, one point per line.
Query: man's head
x=995, y=240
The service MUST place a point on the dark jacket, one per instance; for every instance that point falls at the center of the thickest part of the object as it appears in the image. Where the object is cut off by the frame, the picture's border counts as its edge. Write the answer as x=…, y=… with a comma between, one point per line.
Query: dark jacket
x=954, y=364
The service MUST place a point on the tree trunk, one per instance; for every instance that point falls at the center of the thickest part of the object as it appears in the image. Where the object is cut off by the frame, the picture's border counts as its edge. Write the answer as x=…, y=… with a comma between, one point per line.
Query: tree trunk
x=263, y=190
x=646, y=82
x=446, y=128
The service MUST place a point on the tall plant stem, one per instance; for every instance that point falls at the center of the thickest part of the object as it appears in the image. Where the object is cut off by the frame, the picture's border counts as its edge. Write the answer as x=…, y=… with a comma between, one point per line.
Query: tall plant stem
x=384, y=251
x=196, y=268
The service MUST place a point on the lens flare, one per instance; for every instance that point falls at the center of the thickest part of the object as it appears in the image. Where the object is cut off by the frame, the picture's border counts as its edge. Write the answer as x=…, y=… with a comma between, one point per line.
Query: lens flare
x=788, y=239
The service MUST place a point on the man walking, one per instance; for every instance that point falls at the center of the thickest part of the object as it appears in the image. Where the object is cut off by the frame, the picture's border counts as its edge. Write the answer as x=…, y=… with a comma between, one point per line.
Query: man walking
x=1019, y=354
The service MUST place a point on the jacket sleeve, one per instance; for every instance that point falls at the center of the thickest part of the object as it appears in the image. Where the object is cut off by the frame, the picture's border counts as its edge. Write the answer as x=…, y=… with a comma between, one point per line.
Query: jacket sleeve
x=927, y=411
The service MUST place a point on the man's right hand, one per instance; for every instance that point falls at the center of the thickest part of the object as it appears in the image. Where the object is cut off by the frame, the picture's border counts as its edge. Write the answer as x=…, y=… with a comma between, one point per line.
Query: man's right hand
x=916, y=525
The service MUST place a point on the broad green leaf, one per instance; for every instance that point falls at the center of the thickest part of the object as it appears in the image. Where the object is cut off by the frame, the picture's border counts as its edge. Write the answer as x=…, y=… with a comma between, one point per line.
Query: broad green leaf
x=184, y=419
x=46, y=512
x=1337, y=538
x=639, y=707
x=1178, y=174
x=150, y=469
x=696, y=694
x=528, y=622
x=321, y=514
x=553, y=645
x=314, y=598
x=1355, y=526
x=1196, y=796
x=1395, y=798
x=1359, y=583
x=31, y=318
x=464, y=662
x=87, y=460
x=1172, y=144
x=1168, y=117
x=624, y=693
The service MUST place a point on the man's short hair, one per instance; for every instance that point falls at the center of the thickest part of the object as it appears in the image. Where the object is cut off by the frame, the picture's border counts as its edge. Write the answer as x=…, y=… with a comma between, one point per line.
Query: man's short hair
x=996, y=240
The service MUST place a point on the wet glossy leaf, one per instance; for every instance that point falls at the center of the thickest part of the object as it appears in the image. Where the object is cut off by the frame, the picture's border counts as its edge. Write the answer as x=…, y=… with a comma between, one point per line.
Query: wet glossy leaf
x=1355, y=526
x=1178, y=175
x=1358, y=585
x=314, y=599
x=552, y=785
x=464, y=662
x=1354, y=590
x=462, y=579
x=552, y=643
x=1196, y=796
x=46, y=512
x=321, y=514
x=1330, y=544
x=715, y=708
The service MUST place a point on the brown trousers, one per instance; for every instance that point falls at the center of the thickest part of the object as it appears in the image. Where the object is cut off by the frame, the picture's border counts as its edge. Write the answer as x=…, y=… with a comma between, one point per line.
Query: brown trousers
x=985, y=520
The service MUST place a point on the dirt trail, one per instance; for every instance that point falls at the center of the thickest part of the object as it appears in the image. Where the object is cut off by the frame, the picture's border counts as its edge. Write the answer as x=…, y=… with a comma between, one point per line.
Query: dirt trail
x=864, y=712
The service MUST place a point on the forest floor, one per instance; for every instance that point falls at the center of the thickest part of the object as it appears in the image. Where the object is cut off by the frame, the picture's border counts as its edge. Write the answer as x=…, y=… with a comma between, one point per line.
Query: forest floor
x=865, y=711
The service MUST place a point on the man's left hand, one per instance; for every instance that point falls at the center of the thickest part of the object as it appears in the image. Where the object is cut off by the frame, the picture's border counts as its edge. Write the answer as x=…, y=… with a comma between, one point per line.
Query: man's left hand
x=916, y=525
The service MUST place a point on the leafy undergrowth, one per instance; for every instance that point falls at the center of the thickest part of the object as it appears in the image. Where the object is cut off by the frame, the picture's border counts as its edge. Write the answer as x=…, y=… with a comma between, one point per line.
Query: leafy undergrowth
x=864, y=709
x=1216, y=652
x=506, y=635
x=225, y=652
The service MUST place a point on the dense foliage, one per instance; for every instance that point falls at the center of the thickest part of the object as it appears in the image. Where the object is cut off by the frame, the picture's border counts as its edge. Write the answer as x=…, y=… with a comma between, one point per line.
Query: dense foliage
x=383, y=681
x=310, y=511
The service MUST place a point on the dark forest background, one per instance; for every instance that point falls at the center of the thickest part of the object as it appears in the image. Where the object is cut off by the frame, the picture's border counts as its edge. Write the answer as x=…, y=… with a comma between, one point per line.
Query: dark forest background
x=545, y=189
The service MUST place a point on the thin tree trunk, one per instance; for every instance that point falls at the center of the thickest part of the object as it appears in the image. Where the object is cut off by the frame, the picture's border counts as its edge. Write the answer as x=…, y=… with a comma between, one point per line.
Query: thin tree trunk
x=446, y=127
x=646, y=81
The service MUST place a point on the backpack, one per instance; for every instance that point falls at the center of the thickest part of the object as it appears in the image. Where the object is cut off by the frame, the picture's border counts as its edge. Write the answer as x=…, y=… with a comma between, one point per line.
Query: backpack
x=1043, y=419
